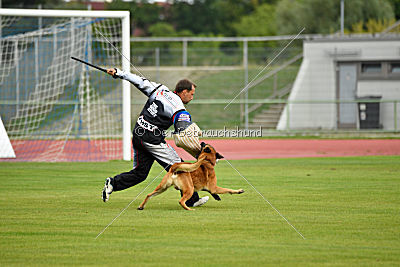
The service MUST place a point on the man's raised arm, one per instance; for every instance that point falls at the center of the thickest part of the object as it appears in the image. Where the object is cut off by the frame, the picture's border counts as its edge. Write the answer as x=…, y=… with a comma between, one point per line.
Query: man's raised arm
x=141, y=83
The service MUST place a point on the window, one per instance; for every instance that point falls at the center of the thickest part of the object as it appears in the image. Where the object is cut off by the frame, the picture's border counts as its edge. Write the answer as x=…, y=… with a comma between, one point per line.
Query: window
x=379, y=70
x=395, y=67
x=373, y=68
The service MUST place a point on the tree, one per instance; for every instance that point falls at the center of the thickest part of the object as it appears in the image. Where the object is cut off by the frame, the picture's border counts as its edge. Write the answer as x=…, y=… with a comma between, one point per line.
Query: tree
x=228, y=13
x=162, y=29
x=372, y=26
x=259, y=23
x=27, y=3
x=396, y=7
x=321, y=16
x=210, y=16
x=364, y=10
x=197, y=17
x=143, y=14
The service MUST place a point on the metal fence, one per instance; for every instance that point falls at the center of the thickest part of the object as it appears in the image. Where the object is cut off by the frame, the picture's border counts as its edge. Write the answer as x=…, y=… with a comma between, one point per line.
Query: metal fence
x=223, y=67
x=258, y=74
x=373, y=116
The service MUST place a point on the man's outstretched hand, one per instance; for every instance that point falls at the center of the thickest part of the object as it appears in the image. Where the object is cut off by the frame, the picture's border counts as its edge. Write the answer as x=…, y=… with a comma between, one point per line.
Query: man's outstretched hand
x=112, y=72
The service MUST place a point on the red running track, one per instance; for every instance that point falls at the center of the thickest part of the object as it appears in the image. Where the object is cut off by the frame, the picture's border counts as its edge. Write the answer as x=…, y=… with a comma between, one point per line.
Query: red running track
x=299, y=148
x=100, y=150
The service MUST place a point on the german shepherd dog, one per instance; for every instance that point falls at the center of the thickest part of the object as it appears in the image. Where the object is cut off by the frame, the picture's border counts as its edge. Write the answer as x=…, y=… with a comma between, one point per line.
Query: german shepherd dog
x=190, y=177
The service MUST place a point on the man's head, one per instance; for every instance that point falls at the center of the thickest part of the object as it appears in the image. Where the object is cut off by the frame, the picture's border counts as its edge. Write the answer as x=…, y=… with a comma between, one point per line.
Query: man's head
x=185, y=89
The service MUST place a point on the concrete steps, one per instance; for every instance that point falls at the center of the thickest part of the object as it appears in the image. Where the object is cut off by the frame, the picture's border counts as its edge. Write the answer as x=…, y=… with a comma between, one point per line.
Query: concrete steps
x=267, y=118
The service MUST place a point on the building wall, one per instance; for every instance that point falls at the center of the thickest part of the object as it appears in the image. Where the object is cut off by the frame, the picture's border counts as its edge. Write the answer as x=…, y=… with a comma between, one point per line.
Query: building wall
x=317, y=82
x=389, y=90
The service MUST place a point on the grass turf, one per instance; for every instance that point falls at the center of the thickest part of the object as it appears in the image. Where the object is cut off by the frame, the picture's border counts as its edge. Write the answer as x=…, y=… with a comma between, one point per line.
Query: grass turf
x=347, y=208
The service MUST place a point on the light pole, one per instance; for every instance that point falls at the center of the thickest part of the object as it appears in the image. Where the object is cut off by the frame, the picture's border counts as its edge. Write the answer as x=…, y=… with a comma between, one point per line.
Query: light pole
x=342, y=17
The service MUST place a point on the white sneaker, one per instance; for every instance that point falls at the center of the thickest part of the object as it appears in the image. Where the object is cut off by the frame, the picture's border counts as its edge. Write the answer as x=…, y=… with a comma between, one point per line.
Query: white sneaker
x=107, y=190
x=201, y=201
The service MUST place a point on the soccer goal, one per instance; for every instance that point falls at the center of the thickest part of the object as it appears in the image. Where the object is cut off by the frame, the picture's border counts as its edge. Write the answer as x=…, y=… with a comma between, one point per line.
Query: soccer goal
x=57, y=109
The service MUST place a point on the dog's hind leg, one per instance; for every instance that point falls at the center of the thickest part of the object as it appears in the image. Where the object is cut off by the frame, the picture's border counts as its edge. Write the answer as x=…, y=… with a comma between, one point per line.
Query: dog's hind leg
x=186, y=195
x=162, y=187
x=215, y=196
x=187, y=189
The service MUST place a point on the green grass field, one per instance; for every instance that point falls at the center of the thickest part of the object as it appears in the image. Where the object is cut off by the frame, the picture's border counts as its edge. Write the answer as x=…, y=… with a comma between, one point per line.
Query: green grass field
x=347, y=208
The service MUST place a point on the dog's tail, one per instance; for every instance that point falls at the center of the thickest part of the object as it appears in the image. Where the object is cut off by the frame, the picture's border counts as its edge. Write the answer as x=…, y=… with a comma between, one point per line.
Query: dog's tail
x=187, y=167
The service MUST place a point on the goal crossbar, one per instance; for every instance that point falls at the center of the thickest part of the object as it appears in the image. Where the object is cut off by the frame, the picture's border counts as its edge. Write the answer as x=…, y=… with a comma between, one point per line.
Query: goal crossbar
x=63, y=13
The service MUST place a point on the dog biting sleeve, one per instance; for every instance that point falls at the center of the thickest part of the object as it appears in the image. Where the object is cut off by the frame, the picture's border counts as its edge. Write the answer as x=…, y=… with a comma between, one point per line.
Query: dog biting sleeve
x=188, y=139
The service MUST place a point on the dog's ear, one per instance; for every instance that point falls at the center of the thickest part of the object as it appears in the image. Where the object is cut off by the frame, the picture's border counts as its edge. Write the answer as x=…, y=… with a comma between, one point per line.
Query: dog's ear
x=202, y=144
x=207, y=150
x=219, y=156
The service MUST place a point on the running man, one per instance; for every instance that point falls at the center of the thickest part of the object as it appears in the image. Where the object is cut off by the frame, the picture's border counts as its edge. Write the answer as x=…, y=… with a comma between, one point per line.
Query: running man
x=162, y=109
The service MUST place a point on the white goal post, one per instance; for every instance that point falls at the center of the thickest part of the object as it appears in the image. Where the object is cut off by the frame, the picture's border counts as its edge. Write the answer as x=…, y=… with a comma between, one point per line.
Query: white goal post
x=6, y=150
x=45, y=93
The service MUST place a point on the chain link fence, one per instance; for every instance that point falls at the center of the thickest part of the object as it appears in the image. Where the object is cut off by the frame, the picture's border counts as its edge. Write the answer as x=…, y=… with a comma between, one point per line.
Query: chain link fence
x=223, y=101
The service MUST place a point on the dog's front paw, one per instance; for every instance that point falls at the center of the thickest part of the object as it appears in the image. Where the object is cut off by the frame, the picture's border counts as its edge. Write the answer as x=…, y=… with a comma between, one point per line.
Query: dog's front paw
x=240, y=191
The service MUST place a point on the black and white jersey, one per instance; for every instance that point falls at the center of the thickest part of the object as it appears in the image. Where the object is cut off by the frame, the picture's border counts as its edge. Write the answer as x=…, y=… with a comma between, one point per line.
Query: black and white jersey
x=158, y=113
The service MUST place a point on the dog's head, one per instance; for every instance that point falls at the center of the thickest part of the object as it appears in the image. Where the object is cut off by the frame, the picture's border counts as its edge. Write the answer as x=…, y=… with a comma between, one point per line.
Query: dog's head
x=209, y=153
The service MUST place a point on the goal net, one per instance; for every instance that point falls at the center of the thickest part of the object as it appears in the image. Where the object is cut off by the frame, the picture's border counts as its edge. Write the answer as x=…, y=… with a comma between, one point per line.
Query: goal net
x=54, y=108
